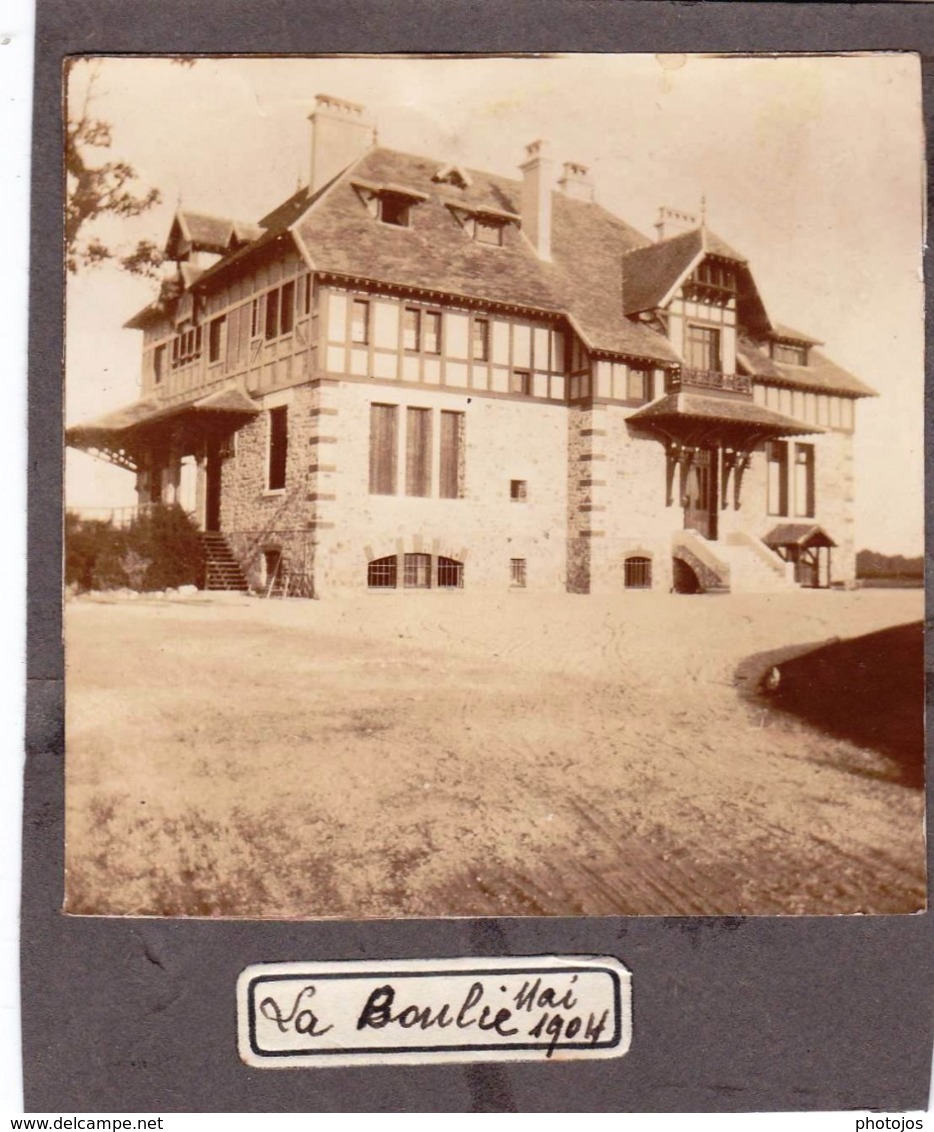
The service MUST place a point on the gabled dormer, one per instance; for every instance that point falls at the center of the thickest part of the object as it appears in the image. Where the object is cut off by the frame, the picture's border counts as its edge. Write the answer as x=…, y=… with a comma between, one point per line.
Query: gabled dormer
x=389, y=203
x=194, y=235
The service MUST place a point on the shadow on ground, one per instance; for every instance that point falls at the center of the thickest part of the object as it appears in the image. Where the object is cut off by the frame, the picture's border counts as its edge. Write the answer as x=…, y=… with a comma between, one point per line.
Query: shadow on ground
x=868, y=690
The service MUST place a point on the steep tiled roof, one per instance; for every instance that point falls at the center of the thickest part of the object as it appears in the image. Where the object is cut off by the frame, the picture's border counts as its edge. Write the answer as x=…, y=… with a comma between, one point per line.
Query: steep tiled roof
x=437, y=254
x=798, y=534
x=211, y=233
x=781, y=331
x=601, y=268
x=150, y=411
x=820, y=373
x=649, y=273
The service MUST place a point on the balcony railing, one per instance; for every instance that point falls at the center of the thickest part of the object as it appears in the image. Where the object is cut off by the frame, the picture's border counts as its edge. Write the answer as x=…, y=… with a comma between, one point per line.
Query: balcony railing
x=710, y=379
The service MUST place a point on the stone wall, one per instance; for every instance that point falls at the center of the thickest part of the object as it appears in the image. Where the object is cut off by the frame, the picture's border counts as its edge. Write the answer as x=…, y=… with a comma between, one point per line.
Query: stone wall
x=504, y=439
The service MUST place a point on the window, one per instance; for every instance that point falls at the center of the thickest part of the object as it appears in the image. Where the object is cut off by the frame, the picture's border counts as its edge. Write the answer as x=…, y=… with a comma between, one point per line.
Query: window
x=637, y=384
x=777, y=458
x=452, y=455
x=431, y=332
x=278, y=447
x=418, y=452
x=804, y=480
x=279, y=306
x=417, y=572
x=254, y=319
x=702, y=347
x=518, y=490
x=450, y=574
x=272, y=314
x=395, y=210
x=714, y=274
x=637, y=573
x=487, y=232
x=287, y=307
x=520, y=381
x=517, y=572
x=360, y=322
x=383, y=443
x=215, y=338
x=187, y=345
x=381, y=573
x=789, y=354
x=481, y=340
x=158, y=364
x=412, y=329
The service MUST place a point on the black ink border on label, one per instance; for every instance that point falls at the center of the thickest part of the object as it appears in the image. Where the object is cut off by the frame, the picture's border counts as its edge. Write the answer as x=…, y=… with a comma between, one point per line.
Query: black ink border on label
x=492, y=1048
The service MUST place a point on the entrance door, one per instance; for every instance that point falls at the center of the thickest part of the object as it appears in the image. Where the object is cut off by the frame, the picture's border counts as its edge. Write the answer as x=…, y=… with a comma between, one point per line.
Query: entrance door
x=699, y=492
x=212, y=487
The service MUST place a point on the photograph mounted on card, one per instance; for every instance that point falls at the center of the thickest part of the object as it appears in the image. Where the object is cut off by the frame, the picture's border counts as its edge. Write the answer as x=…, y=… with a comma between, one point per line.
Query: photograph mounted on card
x=457, y=523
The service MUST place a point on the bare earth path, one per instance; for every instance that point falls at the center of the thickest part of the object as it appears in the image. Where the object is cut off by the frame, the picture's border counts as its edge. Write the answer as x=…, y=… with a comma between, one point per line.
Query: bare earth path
x=451, y=754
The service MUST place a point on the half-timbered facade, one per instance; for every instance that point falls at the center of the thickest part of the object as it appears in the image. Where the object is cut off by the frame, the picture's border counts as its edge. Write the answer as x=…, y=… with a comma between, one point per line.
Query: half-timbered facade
x=412, y=375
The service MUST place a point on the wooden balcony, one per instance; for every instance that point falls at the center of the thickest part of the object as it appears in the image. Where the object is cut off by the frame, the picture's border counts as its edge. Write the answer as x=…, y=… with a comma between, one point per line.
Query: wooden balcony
x=711, y=379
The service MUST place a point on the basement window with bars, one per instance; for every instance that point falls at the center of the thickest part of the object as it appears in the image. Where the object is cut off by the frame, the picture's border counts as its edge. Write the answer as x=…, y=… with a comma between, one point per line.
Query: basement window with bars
x=637, y=572
x=518, y=491
x=450, y=574
x=381, y=573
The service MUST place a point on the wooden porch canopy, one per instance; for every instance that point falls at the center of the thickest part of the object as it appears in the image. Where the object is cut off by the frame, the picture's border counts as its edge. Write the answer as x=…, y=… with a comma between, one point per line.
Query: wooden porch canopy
x=809, y=547
x=805, y=536
x=689, y=422
x=697, y=419
x=124, y=436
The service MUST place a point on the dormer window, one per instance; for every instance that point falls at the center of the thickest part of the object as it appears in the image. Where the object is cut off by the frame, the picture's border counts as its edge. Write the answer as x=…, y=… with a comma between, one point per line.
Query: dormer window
x=484, y=225
x=389, y=204
x=791, y=354
x=394, y=210
x=488, y=231
x=452, y=175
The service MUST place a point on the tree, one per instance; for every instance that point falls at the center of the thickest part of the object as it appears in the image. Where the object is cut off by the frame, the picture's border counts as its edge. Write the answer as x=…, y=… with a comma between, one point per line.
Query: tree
x=96, y=191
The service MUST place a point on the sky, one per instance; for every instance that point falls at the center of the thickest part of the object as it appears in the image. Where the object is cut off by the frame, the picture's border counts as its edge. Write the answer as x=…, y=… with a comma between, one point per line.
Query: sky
x=812, y=167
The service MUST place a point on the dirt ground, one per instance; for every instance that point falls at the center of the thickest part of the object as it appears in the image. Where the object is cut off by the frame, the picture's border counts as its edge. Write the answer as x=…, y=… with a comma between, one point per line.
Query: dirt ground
x=432, y=754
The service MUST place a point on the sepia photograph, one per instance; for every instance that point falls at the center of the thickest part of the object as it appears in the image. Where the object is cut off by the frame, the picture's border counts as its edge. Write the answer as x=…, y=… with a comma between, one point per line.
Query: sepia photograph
x=494, y=486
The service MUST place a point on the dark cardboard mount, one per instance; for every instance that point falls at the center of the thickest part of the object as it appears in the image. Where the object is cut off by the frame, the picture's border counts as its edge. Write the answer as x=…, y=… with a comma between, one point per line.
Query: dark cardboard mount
x=758, y=1014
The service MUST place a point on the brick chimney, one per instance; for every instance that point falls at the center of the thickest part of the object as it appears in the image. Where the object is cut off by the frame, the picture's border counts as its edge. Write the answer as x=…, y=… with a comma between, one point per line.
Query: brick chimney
x=576, y=183
x=537, y=181
x=671, y=222
x=341, y=132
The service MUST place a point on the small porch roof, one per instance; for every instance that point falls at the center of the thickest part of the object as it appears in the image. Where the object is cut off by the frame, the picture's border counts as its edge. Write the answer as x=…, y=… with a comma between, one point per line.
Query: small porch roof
x=121, y=435
x=804, y=535
x=715, y=418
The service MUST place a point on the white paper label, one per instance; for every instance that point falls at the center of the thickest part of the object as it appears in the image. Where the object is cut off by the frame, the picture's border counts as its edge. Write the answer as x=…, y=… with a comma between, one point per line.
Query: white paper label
x=542, y=1008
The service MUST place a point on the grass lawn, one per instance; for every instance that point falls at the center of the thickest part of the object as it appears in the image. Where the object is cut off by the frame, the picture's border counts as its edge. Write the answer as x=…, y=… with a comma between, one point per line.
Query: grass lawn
x=433, y=754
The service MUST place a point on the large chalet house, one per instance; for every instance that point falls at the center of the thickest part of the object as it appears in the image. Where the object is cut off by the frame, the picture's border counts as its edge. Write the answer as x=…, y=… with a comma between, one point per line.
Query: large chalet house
x=412, y=375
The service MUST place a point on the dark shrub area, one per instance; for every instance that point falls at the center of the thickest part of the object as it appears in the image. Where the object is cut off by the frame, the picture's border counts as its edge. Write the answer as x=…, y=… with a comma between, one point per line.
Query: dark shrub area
x=160, y=549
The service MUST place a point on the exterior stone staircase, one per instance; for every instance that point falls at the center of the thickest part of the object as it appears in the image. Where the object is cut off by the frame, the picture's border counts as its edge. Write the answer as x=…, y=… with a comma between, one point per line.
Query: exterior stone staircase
x=754, y=568
x=739, y=564
x=221, y=570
